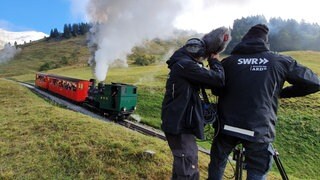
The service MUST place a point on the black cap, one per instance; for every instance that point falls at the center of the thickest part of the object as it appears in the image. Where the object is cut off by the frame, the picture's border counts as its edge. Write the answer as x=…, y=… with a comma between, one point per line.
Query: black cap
x=257, y=31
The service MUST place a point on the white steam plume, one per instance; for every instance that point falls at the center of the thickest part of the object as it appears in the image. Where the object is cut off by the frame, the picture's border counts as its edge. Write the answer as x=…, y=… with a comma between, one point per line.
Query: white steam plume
x=118, y=25
x=8, y=52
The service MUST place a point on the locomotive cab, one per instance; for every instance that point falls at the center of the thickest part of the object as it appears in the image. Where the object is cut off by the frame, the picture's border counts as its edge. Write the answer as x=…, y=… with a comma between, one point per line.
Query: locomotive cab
x=114, y=99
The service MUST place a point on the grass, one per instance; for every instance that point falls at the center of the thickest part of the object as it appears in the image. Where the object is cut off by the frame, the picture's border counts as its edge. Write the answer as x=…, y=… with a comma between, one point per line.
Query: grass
x=68, y=137
x=44, y=141
x=307, y=58
x=303, y=110
x=35, y=54
x=298, y=135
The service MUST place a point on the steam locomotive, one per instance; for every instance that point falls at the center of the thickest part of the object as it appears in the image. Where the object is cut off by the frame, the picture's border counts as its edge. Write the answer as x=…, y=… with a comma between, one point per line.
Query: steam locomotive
x=116, y=100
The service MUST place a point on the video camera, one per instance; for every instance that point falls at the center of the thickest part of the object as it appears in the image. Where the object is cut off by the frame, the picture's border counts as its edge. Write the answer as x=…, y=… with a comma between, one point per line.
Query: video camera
x=210, y=112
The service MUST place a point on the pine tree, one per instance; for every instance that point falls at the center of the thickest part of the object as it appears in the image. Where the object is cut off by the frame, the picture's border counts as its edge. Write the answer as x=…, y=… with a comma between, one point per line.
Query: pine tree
x=75, y=30
x=51, y=33
x=56, y=33
x=83, y=28
x=66, y=31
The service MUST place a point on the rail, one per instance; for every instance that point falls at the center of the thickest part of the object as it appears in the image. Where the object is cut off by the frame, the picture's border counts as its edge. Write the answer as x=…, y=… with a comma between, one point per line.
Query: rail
x=144, y=129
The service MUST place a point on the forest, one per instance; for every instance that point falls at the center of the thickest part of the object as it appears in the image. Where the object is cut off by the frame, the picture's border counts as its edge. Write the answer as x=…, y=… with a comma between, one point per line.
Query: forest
x=284, y=35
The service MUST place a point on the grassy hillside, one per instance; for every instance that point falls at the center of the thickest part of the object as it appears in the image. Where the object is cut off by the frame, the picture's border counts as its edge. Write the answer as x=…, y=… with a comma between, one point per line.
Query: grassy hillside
x=44, y=141
x=297, y=131
x=298, y=126
x=36, y=54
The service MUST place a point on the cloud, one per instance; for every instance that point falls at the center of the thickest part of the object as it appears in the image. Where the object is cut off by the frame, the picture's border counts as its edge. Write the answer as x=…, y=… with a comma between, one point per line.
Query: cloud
x=78, y=9
x=203, y=15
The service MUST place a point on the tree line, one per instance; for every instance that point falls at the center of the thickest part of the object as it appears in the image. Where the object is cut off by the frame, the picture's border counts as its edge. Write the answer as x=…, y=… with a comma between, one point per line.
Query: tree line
x=284, y=35
x=70, y=30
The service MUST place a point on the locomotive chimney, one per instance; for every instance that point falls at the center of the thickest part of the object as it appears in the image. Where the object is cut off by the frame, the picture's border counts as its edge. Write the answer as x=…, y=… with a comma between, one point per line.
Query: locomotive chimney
x=93, y=84
x=100, y=85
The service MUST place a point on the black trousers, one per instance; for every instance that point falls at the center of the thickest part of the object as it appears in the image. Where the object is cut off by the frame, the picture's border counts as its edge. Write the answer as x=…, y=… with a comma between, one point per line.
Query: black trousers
x=185, y=156
x=258, y=157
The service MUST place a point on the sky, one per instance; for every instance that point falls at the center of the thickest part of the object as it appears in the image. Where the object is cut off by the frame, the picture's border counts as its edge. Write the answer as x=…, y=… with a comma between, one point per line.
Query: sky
x=198, y=15
x=37, y=15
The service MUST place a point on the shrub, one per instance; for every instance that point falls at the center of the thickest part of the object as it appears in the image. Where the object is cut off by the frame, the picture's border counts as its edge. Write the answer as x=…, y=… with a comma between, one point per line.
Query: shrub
x=49, y=65
x=144, y=59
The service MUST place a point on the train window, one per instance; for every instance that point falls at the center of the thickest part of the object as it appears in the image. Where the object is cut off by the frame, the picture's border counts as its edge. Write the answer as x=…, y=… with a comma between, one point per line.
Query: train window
x=103, y=98
x=41, y=78
x=74, y=87
x=134, y=90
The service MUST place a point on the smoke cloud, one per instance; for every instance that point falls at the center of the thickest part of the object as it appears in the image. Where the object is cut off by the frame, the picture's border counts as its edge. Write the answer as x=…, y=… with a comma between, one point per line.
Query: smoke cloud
x=118, y=25
x=8, y=52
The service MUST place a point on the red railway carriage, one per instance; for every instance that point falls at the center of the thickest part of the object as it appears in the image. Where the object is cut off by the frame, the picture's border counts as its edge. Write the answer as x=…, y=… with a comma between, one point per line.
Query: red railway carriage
x=41, y=80
x=71, y=88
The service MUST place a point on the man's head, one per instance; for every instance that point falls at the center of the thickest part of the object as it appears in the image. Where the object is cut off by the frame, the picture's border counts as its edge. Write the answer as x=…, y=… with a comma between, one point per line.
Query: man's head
x=196, y=48
x=217, y=40
x=258, y=31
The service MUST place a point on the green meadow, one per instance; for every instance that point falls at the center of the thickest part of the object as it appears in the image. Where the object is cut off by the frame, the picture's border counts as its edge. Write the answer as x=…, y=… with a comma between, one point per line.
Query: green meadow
x=40, y=140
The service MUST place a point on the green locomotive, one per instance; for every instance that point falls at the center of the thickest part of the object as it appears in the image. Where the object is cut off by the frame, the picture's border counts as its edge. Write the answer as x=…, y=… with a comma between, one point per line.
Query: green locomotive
x=116, y=99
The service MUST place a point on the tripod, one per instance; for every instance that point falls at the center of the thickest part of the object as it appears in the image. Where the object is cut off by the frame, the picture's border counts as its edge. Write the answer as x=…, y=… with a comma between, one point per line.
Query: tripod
x=238, y=156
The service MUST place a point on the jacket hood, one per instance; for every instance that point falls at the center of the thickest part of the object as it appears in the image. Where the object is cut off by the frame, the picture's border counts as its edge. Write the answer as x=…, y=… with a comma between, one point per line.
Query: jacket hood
x=178, y=55
x=250, y=46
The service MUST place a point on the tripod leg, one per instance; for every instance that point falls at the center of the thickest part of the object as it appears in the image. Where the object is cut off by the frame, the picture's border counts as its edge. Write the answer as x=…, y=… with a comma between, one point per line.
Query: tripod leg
x=279, y=164
x=280, y=167
x=238, y=156
x=241, y=164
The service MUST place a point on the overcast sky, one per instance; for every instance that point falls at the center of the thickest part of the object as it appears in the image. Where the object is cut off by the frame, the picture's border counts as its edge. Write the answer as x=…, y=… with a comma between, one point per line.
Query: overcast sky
x=199, y=15
x=224, y=12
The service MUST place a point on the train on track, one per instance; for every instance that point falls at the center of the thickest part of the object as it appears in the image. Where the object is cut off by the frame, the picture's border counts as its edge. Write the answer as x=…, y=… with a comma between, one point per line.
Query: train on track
x=115, y=100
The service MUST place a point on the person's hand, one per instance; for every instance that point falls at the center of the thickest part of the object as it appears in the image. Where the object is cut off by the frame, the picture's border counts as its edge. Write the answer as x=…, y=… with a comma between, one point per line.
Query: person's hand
x=214, y=56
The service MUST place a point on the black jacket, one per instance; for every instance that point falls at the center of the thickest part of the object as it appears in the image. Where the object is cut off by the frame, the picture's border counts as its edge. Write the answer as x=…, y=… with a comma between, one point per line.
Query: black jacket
x=181, y=107
x=254, y=80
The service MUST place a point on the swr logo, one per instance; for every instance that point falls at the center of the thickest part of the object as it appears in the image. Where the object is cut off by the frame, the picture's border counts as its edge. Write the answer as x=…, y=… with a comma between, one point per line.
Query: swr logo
x=253, y=61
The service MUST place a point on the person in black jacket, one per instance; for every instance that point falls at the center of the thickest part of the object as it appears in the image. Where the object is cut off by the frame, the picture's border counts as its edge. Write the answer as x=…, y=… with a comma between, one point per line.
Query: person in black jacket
x=182, y=116
x=248, y=103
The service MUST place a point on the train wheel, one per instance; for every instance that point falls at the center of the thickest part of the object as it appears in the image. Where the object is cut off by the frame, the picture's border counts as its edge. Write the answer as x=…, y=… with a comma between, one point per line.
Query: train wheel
x=120, y=117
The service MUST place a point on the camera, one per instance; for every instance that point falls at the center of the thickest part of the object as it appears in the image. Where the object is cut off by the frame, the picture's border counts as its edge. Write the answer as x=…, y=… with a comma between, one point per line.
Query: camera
x=210, y=112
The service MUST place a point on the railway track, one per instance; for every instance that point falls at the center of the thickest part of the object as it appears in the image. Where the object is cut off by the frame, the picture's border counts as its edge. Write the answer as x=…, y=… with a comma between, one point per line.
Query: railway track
x=147, y=130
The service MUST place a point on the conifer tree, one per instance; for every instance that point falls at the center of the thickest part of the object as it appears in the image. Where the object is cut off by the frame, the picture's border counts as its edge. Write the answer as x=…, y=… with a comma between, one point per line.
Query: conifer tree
x=66, y=31
x=56, y=33
x=75, y=29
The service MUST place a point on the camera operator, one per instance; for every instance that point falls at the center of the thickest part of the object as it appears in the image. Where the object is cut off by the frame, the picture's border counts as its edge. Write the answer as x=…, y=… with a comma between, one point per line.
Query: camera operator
x=248, y=103
x=182, y=116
